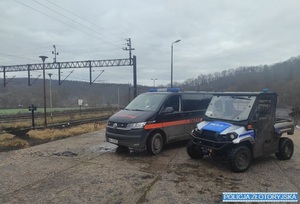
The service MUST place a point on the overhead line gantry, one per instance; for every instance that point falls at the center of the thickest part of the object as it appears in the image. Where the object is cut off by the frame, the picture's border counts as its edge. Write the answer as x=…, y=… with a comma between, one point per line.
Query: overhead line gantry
x=75, y=64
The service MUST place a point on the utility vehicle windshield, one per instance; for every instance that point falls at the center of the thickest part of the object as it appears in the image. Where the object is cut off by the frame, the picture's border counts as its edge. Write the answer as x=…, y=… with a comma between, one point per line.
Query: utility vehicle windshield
x=146, y=102
x=235, y=108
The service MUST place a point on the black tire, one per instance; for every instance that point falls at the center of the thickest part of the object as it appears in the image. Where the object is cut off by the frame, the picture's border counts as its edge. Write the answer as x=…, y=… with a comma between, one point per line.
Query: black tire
x=285, y=149
x=240, y=159
x=155, y=143
x=193, y=151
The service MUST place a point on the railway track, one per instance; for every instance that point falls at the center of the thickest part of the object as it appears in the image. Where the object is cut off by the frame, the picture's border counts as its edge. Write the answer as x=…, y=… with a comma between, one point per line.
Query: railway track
x=97, y=117
x=57, y=114
x=21, y=132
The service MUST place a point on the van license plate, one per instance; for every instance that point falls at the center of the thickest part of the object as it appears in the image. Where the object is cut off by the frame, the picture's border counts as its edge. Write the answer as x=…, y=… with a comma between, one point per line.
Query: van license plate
x=113, y=140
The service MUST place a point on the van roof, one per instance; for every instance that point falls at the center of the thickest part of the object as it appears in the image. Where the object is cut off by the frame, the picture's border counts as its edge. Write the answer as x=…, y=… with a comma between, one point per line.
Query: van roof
x=180, y=92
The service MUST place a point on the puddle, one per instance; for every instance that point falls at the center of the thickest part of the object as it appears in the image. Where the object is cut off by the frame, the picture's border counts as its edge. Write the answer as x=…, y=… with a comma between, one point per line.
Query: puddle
x=66, y=154
x=102, y=148
x=106, y=149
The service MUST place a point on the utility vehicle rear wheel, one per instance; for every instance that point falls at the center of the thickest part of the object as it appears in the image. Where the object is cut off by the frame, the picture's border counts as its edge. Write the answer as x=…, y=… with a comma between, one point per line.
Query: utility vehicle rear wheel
x=240, y=158
x=155, y=143
x=285, y=149
x=193, y=151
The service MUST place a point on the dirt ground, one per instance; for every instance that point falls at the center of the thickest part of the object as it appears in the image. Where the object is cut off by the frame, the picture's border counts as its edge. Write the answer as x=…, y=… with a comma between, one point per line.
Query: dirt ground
x=86, y=169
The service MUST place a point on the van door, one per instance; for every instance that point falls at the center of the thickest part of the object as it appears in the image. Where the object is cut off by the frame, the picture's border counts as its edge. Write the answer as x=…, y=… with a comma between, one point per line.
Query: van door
x=173, y=122
x=194, y=107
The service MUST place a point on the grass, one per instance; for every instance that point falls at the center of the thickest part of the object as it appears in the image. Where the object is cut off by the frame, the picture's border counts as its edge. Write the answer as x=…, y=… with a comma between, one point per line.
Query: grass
x=38, y=136
x=53, y=134
x=56, y=119
x=10, y=142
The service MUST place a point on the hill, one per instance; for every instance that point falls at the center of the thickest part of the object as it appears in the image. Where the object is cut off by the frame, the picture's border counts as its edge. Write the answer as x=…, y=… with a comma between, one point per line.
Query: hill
x=281, y=77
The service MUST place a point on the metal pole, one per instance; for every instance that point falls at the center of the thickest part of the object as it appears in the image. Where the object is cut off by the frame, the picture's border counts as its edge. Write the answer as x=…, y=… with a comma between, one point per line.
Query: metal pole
x=44, y=87
x=118, y=97
x=50, y=74
x=28, y=69
x=134, y=77
x=154, y=81
x=32, y=116
x=172, y=62
x=4, y=77
x=172, y=66
x=55, y=54
x=90, y=66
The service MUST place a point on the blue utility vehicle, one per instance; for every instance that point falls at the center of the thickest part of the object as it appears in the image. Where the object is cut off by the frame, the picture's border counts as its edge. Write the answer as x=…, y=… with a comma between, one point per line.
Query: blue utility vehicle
x=242, y=126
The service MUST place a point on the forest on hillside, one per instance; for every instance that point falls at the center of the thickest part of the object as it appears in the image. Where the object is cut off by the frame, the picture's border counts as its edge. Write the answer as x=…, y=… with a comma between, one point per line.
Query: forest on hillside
x=282, y=78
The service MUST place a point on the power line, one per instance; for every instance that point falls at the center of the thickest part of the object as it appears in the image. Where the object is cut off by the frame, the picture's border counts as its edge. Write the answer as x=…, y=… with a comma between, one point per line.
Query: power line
x=19, y=57
x=57, y=20
x=67, y=52
x=73, y=20
x=26, y=50
x=34, y=50
x=88, y=50
x=85, y=20
x=84, y=44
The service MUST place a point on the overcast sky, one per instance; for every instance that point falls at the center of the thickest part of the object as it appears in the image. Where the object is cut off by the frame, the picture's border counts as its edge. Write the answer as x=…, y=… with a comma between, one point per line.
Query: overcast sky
x=215, y=35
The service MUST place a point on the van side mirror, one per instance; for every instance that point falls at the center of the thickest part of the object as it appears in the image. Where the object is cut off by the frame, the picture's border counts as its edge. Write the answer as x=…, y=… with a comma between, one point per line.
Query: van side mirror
x=168, y=110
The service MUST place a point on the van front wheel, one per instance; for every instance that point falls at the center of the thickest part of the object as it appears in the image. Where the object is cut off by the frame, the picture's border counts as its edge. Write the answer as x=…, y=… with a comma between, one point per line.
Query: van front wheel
x=155, y=143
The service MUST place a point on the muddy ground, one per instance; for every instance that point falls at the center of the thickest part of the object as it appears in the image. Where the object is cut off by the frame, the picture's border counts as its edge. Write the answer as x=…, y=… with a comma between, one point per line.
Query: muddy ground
x=86, y=169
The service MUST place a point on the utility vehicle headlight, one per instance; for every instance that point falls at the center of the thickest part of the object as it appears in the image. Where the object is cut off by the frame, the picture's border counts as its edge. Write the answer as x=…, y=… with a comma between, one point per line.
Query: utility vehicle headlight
x=196, y=130
x=136, y=125
x=232, y=135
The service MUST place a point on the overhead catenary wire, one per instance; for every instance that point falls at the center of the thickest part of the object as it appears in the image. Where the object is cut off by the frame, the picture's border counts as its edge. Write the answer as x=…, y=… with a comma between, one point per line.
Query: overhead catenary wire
x=34, y=51
x=15, y=56
x=85, y=19
x=37, y=52
x=58, y=20
x=88, y=50
x=75, y=22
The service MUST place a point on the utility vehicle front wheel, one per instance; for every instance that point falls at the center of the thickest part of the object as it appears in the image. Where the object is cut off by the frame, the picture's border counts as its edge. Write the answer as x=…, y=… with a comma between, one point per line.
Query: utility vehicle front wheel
x=193, y=151
x=155, y=143
x=240, y=158
x=285, y=148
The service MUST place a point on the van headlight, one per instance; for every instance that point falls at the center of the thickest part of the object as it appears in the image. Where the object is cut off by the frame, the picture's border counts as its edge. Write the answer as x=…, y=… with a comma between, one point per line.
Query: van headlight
x=136, y=125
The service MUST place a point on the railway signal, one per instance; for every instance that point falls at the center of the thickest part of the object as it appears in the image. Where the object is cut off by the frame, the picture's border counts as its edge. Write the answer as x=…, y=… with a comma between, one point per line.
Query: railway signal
x=32, y=108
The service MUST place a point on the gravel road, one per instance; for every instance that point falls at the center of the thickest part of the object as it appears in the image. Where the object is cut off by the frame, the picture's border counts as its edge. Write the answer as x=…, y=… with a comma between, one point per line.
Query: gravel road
x=86, y=169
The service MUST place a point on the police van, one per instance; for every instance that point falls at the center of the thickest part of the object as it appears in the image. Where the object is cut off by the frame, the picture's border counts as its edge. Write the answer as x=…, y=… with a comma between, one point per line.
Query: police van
x=156, y=118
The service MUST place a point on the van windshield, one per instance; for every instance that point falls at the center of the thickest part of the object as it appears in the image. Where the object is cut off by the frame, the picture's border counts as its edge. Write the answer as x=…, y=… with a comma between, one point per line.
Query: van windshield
x=235, y=108
x=146, y=102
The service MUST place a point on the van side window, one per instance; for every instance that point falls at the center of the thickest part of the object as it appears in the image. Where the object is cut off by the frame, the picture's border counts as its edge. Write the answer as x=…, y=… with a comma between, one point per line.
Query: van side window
x=174, y=102
x=195, y=102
